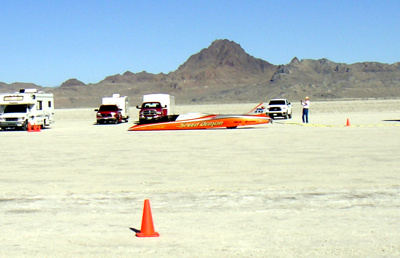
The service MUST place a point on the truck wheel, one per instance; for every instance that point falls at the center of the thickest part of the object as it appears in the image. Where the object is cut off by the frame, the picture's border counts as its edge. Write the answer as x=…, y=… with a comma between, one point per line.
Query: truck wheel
x=290, y=116
x=25, y=126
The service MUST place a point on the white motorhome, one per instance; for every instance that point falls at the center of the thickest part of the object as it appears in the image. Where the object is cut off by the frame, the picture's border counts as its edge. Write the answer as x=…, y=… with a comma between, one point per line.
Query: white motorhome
x=26, y=106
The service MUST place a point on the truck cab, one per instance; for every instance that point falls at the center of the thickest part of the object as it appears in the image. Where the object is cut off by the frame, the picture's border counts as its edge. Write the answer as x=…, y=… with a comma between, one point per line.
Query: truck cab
x=122, y=103
x=157, y=107
x=15, y=116
x=114, y=109
x=108, y=114
x=279, y=108
x=152, y=111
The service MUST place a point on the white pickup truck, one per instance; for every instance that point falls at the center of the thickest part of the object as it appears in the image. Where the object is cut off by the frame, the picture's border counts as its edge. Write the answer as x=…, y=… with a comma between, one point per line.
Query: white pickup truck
x=279, y=108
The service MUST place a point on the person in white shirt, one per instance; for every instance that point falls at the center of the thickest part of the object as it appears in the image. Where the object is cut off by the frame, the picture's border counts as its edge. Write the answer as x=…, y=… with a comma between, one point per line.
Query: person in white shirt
x=306, y=106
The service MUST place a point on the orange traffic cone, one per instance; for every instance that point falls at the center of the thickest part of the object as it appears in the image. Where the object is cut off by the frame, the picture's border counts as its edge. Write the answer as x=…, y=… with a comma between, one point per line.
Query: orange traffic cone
x=147, y=229
x=348, y=122
x=29, y=127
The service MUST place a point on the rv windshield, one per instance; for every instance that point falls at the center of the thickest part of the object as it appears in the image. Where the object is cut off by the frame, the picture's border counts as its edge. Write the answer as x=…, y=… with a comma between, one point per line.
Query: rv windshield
x=15, y=109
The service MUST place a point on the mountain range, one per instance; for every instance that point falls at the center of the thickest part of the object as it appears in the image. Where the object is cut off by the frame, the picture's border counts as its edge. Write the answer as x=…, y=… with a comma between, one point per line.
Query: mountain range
x=225, y=73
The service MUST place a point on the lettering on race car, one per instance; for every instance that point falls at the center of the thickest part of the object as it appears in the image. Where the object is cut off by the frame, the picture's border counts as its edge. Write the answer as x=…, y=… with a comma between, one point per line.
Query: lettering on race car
x=183, y=125
x=210, y=124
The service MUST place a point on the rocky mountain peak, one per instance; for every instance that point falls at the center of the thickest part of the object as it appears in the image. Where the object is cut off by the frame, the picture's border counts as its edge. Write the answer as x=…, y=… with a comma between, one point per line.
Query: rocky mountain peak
x=295, y=60
x=72, y=82
x=222, y=60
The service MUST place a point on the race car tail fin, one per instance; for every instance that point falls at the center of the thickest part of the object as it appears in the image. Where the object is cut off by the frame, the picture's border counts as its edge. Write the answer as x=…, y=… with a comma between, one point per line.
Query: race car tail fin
x=259, y=109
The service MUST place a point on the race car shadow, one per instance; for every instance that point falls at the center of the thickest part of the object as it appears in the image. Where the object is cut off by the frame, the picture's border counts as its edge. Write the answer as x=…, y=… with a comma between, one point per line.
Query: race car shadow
x=391, y=120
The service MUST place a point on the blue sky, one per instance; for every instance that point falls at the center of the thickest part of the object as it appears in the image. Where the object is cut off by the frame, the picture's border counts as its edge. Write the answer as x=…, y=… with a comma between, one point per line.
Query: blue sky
x=47, y=42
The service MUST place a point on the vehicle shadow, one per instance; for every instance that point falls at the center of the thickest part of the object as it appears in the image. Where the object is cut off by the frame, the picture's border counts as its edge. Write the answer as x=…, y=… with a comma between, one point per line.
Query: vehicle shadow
x=391, y=120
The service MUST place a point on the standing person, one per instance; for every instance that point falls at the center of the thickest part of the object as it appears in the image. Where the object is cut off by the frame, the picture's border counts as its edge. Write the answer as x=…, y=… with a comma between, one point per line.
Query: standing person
x=306, y=107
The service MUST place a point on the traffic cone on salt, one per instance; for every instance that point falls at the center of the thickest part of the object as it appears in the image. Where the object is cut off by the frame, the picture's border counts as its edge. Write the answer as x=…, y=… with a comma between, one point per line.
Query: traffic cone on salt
x=348, y=122
x=147, y=229
x=29, y=127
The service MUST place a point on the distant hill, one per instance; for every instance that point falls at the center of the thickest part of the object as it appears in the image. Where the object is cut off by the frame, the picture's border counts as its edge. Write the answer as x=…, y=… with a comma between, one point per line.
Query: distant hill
x=225, y=73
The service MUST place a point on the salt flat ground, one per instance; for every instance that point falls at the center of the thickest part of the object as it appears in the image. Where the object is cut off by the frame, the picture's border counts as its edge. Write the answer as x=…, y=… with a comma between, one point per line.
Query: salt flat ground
x=282, y=189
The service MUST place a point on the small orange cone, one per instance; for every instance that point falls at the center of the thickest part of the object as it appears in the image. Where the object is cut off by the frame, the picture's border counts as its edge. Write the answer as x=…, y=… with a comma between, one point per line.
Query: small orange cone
x=348, y=122
x=36, y=128
x=29, y=127
x=147, y=229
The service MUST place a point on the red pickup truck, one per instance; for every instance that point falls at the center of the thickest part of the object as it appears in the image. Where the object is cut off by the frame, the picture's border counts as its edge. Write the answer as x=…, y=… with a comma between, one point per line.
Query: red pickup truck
x=108, y=114
x=152, y=112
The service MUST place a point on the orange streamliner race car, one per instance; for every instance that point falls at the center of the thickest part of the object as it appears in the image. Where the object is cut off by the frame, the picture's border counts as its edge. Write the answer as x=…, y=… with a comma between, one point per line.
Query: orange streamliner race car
x=193, y=121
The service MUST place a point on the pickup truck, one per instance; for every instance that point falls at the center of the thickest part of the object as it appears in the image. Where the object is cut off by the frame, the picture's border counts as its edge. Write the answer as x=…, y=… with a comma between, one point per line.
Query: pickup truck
x=157, y=107
x=152, y=112
x=279, y=108
x=108, y=114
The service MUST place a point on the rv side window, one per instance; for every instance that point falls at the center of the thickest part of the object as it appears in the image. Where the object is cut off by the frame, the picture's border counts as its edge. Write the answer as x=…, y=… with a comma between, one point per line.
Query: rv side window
x=49, y=103
x=39, y=105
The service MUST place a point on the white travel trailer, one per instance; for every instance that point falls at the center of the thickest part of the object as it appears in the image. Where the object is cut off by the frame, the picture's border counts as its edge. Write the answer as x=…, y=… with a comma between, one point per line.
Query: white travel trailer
x=26, y=106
